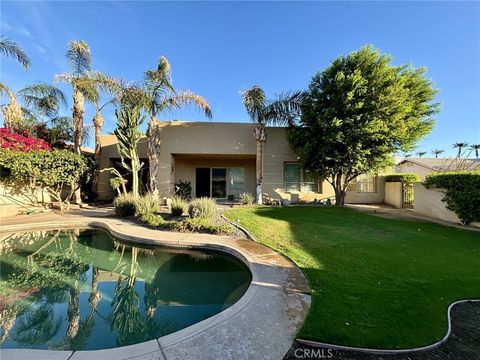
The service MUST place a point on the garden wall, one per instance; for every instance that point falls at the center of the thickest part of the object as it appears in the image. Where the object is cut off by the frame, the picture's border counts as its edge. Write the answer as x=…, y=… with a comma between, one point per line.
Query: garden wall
x=428, y=202
x=393, y=194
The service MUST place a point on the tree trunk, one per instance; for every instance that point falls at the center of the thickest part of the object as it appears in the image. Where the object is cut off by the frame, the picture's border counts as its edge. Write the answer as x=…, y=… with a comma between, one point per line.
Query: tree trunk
x=94, y=293
x=154, y=139
x=73, y=312
x=12, y=113
x=339, y=191
x=78, y=112
x=98, y=123
x=260, y=137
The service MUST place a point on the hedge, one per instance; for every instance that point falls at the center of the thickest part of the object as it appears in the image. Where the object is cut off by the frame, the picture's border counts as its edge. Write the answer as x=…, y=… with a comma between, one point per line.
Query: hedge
x=463, y=192
x=406, y=178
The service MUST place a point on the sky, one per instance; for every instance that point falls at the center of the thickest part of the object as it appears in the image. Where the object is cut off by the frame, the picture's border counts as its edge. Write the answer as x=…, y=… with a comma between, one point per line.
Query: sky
x=218, y=49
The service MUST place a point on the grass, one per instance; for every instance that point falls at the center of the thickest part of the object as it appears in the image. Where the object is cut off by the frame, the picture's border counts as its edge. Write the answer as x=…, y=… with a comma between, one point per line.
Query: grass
x=376, y=282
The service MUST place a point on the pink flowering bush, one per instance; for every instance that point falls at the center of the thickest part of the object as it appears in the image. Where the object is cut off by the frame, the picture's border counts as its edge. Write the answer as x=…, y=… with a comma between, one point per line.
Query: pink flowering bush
x=16, y=142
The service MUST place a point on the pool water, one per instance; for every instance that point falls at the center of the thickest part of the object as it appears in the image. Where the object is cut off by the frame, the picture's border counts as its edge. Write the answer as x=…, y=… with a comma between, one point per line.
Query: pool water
x=84, y=290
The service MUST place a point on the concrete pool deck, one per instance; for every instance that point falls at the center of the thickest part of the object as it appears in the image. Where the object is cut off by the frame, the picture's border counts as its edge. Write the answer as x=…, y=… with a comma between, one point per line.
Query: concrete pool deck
x=261, y=325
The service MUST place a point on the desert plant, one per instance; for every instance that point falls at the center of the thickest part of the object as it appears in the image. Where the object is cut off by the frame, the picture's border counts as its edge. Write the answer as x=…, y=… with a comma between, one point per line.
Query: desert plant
x=202, y=207
x=152, y=220
x=246, y=198
x=201, y=225
x=125, y=204
x=178, y=206
x=146, y=205
x=183, y=189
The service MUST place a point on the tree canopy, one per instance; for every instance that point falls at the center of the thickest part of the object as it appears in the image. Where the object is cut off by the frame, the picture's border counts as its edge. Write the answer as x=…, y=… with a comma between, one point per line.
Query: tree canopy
x=358, y=112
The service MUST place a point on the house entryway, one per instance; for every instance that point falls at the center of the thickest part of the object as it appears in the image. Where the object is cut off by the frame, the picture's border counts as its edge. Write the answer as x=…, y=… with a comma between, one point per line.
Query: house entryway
x=211, y=182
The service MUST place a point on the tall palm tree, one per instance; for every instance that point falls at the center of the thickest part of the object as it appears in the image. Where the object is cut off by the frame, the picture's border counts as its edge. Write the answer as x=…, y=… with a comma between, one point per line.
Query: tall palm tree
x=476, y=148
x=282, y=110
x=420, y=153
x=10, y=48
x=159, y=96
x=112, y=88
x=80, y=61
x=437, y=152
x=32, y=104
x=460, y=146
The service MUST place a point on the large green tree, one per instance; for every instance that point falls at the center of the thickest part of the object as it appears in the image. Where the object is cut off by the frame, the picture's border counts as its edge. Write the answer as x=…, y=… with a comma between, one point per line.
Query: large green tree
x=358, y=112
x=282, y=110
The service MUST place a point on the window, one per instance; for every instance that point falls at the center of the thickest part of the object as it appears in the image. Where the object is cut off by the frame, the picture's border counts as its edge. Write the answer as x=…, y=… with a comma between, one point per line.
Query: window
x=291, y=177
x=363, y=183
x=298, y=179
x=310, y=181
x=236, y=178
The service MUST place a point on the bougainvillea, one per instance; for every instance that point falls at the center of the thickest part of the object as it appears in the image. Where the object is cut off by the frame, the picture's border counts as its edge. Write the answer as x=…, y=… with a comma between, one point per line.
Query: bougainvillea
x=16, y=142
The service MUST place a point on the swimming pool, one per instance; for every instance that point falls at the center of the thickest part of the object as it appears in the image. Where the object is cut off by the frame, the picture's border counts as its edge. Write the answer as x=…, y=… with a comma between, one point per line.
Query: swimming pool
x=84, y=290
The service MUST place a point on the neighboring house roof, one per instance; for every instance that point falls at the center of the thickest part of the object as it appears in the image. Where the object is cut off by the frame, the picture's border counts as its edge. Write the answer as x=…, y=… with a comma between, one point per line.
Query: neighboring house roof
x=87, y=151
x=444, y=164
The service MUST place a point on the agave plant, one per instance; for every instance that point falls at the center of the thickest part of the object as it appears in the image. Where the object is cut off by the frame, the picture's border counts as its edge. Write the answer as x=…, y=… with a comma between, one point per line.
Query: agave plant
x=283, y=110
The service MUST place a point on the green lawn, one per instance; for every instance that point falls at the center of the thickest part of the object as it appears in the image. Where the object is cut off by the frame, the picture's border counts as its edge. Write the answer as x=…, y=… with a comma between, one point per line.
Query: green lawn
x=375, y=282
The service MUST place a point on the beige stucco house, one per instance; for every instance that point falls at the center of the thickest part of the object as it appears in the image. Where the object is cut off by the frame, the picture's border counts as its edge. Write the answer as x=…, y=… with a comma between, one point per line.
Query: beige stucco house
x=424, y=166
x=218, y=159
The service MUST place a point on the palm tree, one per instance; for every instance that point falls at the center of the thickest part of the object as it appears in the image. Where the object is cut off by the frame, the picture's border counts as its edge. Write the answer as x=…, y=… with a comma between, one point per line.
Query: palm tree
x=282, y=110
x=421, y=153
x=475, y=147
x=10, y=48
x=158, y=95
x=80, y=60
x=437, y=152
x=460, y=146
x=31, y=105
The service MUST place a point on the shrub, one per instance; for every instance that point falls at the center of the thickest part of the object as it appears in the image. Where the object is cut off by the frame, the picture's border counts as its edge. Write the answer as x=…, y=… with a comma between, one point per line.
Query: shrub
x=202, y=207
x=125, y=204
x=202, y=225
x=246, y=198
x=52, y=171
x=178, y=206
x=406, y=178
x=16, y=142
x=183, y=189
x=146, y=205
x=152, y=220
x=463, y=192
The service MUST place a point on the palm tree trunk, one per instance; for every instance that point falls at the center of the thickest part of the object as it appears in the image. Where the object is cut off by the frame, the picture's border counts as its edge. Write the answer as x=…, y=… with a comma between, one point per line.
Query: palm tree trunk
x=98, y=123
x=154, y=139
x=73, y=312
x=78, y=112
x=12, y=113
x=260, y=137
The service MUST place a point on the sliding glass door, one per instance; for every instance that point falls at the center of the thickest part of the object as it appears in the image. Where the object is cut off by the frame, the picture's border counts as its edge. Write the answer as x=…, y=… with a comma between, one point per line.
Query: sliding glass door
x=219, y=183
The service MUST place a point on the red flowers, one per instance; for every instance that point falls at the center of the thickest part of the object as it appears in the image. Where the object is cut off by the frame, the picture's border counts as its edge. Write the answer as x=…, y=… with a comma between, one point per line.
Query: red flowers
x=16, y=142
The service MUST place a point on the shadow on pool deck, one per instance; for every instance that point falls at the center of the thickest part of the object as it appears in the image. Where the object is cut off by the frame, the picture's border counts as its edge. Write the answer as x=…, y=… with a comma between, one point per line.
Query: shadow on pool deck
x=462, y=344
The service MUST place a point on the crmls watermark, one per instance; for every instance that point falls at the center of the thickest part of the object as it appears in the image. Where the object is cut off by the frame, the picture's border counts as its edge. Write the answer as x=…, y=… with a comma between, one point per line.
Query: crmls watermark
x=306, y=353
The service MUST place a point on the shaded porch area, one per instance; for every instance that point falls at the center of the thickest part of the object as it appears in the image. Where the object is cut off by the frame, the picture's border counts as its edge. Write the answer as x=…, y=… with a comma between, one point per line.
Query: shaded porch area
x=219, y=176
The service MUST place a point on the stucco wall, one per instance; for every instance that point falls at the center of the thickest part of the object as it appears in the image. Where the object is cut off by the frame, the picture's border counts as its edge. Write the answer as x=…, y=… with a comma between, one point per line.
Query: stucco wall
x=393, y=194
x=428, y=202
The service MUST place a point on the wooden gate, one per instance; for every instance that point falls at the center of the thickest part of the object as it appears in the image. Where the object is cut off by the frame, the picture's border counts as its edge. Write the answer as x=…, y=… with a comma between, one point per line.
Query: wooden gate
x=408, y=195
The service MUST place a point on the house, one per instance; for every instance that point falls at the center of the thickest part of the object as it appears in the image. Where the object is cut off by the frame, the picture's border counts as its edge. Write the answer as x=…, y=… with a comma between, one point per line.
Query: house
x=424, y=166
x=218, y=159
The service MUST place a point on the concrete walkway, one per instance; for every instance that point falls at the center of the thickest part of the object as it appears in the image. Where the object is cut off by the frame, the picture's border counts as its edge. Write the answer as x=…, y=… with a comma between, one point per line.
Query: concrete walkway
x=261, y=325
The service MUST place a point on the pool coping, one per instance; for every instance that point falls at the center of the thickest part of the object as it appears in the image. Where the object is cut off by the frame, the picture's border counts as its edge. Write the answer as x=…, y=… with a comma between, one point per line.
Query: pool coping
x=272, y=275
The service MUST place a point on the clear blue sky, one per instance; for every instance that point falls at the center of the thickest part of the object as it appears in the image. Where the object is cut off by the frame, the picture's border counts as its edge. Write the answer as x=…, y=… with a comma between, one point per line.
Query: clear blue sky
x=219, y=48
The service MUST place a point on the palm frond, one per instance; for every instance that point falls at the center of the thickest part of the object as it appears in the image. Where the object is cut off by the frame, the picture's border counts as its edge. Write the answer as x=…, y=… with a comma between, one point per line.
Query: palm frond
x=43, y=98
x=284, y=109
x=10, y=48
x=87, y=86
x=106, y=83
x=254, y=101
x=184, y=98
x=161, y=78
x=79, y=58
x=133, y=95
